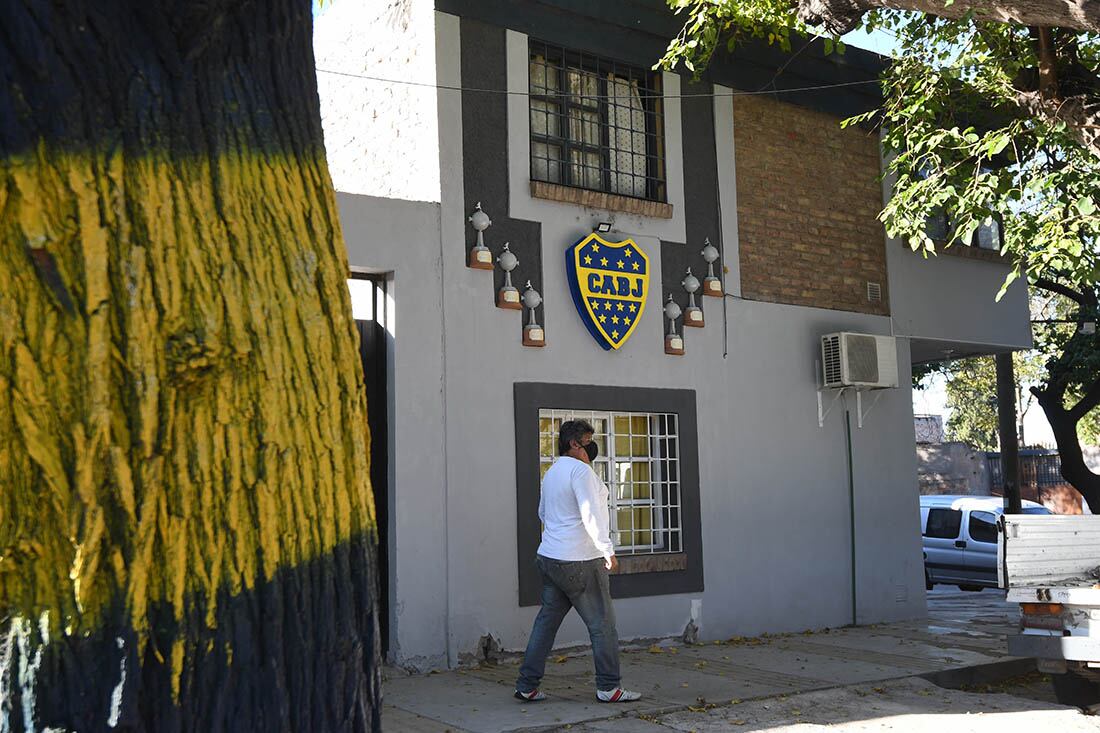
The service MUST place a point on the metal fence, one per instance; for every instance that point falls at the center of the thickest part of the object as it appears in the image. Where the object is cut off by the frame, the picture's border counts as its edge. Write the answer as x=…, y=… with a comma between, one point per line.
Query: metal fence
x=1037, y=468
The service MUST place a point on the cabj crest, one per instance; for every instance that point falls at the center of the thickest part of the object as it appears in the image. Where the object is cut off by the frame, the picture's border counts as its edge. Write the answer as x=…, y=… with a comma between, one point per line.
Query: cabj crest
x=609, y=282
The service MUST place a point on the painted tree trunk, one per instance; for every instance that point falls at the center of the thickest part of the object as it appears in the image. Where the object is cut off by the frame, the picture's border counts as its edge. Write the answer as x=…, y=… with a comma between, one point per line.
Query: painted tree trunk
x=186, y=524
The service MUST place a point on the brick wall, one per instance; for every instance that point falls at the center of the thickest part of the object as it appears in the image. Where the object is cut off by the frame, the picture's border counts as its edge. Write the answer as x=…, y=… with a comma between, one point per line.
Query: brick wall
x=807, y=200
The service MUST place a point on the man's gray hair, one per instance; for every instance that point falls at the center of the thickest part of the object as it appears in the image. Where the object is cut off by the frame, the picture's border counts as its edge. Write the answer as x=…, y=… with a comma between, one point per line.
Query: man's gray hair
x=572, y=430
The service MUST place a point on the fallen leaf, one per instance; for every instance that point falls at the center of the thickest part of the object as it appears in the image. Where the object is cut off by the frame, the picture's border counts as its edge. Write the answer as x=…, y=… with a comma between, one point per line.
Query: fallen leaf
x=656, y=650
x=561, y=660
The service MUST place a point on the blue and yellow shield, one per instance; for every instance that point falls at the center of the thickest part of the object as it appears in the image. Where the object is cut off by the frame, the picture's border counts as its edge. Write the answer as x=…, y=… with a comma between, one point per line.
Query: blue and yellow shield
x=609, y=282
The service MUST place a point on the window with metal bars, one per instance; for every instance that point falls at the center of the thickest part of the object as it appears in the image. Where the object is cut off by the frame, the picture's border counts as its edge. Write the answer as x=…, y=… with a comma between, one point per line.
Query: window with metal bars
x=595, y=124
x=639, y=460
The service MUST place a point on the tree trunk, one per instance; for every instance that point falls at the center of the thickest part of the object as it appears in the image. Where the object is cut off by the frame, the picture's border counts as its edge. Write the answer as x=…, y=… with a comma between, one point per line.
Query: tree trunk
x=186, y=524
x=1074, y=469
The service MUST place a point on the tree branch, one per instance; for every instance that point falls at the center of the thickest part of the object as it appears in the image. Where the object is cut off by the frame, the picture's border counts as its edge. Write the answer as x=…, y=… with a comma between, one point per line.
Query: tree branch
x=1087, y=403
x=841, y=16
x=1068, y=292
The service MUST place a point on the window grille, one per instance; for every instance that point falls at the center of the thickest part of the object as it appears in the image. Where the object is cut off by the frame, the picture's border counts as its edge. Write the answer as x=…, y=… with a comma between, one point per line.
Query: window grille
x=595, y=124
x=639, y=461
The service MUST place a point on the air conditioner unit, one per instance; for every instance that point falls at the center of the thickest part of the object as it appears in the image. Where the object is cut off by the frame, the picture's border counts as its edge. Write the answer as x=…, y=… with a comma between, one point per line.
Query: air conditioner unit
x=859, y=360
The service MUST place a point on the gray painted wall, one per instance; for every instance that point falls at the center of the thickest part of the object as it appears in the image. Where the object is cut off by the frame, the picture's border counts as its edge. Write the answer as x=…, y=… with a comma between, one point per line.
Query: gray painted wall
x=774, y=486
x=953, y=299
x=402, y=238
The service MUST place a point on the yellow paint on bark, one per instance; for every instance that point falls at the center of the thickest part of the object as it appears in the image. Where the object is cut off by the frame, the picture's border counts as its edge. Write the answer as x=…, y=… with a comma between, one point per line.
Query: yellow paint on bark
x=196, y=421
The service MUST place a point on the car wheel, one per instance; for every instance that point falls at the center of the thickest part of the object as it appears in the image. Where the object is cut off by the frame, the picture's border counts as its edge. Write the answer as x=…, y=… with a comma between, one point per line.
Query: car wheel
x=971, y=588
x=1073, y=689
x=928, y=584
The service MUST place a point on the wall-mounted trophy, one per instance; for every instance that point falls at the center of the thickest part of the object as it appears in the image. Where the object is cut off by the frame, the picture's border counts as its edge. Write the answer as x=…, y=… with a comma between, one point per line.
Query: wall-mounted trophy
x=533, y=335
x=508, y=296
x=480, y=256
x=711, y=284
x=674, y=343
x=693, y=315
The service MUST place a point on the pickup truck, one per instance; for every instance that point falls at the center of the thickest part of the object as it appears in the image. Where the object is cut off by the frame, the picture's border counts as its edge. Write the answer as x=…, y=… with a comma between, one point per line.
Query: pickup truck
x=1050, y=565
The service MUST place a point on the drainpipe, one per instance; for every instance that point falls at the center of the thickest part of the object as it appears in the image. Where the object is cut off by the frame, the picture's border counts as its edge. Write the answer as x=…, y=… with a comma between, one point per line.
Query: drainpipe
x=851, y=506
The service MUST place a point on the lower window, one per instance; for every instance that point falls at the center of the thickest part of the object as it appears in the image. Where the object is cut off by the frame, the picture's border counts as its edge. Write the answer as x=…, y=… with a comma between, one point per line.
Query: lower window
x=648, y=458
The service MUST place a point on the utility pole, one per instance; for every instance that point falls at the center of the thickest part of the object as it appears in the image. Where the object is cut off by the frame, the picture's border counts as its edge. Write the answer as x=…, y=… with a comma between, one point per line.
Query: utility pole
x=1010, y=443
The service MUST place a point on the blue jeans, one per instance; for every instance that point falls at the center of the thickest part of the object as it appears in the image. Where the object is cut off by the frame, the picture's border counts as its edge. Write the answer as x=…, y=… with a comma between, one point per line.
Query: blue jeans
x=582, y=585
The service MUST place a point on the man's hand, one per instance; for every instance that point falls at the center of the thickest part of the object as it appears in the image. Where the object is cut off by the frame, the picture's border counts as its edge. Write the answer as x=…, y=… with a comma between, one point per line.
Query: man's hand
x=612, y=564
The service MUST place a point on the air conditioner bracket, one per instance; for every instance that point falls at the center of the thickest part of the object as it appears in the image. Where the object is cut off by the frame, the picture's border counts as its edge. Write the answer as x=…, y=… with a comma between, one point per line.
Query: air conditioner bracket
x=823, y=410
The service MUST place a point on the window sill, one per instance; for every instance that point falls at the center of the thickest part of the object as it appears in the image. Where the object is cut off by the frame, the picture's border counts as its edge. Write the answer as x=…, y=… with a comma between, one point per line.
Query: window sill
x=600, y=200
x=656, y=563
x=967, y=252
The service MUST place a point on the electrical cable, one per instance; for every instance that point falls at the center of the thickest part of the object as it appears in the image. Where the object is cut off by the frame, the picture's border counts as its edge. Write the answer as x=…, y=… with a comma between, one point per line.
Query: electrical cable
x=454, y=88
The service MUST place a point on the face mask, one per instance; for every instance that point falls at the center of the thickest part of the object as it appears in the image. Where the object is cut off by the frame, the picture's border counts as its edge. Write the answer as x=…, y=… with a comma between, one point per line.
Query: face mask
x=592, y=450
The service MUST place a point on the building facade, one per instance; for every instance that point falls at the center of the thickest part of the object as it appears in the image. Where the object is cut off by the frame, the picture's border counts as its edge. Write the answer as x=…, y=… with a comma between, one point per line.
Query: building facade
x=736, y=509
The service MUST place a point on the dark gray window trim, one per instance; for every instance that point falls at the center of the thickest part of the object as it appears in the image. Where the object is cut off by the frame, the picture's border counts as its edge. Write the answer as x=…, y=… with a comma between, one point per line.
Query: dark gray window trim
x=529, y=397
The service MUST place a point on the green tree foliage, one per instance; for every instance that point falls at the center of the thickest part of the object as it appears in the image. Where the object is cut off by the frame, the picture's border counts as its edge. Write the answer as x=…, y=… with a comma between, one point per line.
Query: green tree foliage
x=990, y=116
x=986, y=121
x=971, y=387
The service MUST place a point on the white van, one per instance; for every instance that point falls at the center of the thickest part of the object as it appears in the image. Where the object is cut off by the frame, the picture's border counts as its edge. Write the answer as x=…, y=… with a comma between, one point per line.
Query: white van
x=960, y=539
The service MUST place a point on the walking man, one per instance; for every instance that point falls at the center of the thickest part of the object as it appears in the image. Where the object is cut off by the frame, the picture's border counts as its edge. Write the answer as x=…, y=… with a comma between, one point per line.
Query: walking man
x=574, y=559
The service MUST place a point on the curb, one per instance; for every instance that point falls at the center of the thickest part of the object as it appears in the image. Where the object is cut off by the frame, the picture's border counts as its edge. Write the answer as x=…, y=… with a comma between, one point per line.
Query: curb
x=980, y=674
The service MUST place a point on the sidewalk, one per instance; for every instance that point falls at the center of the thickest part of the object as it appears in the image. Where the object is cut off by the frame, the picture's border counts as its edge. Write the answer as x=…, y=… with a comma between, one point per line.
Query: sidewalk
x=963, y=634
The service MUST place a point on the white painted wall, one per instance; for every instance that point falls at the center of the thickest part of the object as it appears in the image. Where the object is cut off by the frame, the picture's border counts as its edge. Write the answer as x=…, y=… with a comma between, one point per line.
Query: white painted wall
x=380, y=135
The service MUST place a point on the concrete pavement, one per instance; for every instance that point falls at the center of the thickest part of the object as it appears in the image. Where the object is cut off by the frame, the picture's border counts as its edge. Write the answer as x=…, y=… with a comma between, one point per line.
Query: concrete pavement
x=964, y=632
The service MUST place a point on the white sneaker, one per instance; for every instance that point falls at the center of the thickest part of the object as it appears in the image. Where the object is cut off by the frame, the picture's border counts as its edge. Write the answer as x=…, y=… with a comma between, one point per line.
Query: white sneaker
x=617, y=695
x=532, y=696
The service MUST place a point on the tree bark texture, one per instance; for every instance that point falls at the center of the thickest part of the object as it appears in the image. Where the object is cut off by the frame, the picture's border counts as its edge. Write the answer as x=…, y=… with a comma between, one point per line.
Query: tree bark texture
x=841, y=16
x=186, y=525
x=1063, y=423
x=1064, y=419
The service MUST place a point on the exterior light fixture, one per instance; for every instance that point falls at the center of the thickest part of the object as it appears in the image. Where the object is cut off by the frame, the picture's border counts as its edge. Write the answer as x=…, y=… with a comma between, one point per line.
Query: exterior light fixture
x=480, y=256
x=533, y=335
x=711, y=284
x=508, y=295
x=693, y=316
x=674, y=343
x=603, y=227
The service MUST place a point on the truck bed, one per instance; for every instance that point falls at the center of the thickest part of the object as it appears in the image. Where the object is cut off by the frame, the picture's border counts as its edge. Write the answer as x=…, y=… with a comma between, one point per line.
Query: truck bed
x=1048, y=551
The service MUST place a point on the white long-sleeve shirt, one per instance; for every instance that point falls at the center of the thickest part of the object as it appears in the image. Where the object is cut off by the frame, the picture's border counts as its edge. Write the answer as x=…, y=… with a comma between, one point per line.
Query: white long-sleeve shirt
x=573, y=507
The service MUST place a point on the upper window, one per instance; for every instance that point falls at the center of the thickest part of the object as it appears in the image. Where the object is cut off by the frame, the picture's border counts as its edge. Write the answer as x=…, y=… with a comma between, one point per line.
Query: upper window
x=595, y=124
x=940, y=228
x=639, y=461
x=944, y=523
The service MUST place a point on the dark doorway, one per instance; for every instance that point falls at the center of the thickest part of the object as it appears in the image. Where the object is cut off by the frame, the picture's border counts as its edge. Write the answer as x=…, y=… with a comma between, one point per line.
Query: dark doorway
x=371, y=314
